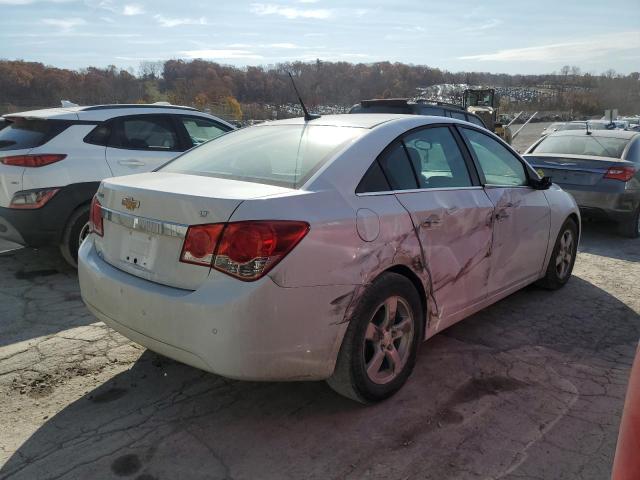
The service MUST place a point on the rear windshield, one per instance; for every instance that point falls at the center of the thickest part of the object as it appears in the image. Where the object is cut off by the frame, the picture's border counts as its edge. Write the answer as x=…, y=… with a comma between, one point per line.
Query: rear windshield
x=283, y=155
x=583, y=145
x=22, y=133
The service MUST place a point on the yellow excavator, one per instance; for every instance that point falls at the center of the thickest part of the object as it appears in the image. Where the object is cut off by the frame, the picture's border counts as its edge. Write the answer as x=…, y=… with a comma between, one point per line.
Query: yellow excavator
x=482, y=103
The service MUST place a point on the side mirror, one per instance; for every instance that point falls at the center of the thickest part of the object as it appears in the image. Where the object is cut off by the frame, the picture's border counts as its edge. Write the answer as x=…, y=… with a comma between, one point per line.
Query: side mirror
x=543, y=184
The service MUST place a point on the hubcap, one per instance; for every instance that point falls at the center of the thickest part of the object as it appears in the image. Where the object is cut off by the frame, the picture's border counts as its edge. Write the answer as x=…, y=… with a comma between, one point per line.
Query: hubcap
x=84, y=232
x=565, y=254
x=388, y=340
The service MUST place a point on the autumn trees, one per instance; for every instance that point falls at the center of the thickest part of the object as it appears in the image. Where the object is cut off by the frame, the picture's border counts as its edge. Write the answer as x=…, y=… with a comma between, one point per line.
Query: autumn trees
x=258, y=91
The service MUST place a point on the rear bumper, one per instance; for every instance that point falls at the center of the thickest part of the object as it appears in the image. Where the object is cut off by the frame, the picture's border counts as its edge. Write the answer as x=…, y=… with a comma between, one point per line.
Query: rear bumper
x=618, y=207
x=243, y=330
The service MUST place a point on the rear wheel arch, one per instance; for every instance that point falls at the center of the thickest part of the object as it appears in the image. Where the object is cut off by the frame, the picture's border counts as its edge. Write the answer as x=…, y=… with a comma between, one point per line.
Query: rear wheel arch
x=407, y=272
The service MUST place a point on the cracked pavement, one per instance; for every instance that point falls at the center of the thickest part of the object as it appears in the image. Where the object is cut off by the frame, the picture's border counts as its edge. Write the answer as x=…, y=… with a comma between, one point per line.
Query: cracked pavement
x=531, y=388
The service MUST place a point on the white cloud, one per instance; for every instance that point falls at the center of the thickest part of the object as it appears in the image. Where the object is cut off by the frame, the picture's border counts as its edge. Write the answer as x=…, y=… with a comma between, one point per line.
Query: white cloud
x=29, y=2
x=222, y=54
x=290, y=13
x=64, y=24
x=569, y=52
x=174, y=22
x=308, y=1
x=132, y=9
x=282, y=45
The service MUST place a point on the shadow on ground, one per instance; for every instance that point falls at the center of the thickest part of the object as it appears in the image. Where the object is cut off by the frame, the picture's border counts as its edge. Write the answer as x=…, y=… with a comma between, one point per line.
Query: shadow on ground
x=602, y=238
x=530, y=388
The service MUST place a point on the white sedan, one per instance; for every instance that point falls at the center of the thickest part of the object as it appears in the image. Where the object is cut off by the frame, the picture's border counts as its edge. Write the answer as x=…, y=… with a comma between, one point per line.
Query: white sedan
x=322, y=249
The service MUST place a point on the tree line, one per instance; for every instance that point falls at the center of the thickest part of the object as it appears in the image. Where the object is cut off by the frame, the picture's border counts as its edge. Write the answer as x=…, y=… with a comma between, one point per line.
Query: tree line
x=255, y=91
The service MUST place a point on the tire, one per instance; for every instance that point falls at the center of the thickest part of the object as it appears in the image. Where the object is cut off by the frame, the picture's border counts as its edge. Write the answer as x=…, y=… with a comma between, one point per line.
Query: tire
x=75, y=231
x=562, y=258
x=631, y=228
x=383, y=343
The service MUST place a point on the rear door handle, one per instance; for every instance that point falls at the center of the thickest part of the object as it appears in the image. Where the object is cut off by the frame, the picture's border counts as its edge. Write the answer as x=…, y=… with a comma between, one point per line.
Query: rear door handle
x=432, y=221
x=131, y=163
x=502, y=214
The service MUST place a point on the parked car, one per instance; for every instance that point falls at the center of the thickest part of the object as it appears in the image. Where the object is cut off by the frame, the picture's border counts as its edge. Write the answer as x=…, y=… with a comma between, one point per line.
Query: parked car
x=52, y=161
x=326, y=249
x=600, y=169
x=419, y=107
x=554, y=127
x=582, y=125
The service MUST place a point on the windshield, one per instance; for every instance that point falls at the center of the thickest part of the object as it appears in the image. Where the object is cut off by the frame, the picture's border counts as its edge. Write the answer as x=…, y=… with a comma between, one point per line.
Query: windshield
x=284, y=155
x=583, y=145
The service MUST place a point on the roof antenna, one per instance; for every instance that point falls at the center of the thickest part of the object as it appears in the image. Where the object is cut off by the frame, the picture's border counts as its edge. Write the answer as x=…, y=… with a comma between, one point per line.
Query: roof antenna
x=307, y=116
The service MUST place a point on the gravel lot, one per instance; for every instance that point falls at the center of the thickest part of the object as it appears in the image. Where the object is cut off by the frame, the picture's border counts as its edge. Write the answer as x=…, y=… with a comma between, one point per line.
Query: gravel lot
x=531, y=388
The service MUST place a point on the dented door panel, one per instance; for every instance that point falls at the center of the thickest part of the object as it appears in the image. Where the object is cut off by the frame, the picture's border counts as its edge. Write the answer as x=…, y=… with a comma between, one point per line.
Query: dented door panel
x=521, y=235
x=455, y=230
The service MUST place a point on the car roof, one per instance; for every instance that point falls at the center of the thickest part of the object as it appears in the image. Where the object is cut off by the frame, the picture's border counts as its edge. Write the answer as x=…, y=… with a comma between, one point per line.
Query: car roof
x=625, y=134
x=98, y=113
x=360, y=120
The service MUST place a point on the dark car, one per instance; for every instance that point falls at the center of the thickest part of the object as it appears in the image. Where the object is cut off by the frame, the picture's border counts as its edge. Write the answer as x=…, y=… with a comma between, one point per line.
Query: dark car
x=3, y=123
x=419, y=107
x=600, y=168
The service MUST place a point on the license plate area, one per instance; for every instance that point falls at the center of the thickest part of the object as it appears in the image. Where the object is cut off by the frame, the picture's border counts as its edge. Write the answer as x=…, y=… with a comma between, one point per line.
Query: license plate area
x=139, y=250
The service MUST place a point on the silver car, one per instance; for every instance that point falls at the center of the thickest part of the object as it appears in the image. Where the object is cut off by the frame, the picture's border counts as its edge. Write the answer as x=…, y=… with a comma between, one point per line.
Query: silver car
x=601, y=169
x=322, y=249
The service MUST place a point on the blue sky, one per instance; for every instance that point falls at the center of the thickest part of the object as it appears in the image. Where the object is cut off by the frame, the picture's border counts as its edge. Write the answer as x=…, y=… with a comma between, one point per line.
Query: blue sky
x=536, y=36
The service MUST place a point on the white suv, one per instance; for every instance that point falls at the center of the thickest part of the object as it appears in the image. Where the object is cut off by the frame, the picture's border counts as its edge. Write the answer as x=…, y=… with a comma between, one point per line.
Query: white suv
x=52, y=162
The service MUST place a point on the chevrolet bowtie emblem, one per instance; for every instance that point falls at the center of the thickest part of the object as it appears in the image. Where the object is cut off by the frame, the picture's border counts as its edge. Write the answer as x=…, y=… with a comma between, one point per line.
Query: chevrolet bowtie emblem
x=130, y=203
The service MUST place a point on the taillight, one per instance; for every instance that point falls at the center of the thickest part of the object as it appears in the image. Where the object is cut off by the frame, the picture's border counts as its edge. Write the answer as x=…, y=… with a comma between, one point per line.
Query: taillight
x=32, y=161
x=200, y=244
x=623, y=174
x=245, y=250
x=32, y=199
x=95, y=217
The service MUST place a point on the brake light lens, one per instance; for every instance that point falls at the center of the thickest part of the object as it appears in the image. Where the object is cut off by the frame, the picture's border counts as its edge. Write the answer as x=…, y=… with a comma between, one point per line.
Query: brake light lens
x=32, y=161
x=95, y=217
x=33, y=199
x=200, y=244
x=623, y=174
x=245, y=250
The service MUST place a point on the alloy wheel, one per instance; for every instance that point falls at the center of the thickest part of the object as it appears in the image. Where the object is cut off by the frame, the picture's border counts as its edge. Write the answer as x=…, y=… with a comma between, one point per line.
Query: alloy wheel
x=388, y=340
x=565, y=254
x=84, y=232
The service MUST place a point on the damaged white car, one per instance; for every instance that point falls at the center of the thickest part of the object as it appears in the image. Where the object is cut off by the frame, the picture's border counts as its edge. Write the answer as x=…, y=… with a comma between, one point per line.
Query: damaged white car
x=322, y=249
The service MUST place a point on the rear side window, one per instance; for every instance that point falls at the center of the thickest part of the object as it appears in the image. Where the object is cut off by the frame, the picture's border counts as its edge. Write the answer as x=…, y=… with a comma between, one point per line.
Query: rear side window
x=285, y=155
x=437, y=159
x=458, y=115
x=201, y=130
x=99, y=135
x=145, y=132
x=475, y=120
x=373, y=181
x=396, y=167
x=426, y=110
x=499, y=165
x=22, y=133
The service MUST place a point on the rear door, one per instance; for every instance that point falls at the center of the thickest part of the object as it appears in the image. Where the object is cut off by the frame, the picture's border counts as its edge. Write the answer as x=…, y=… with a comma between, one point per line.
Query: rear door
x=451, y=213
x=141, y=143
x=522, y=215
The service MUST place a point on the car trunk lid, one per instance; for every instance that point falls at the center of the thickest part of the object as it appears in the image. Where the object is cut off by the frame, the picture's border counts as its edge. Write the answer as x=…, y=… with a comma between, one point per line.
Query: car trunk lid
x=146, y=217
x=574, y=169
